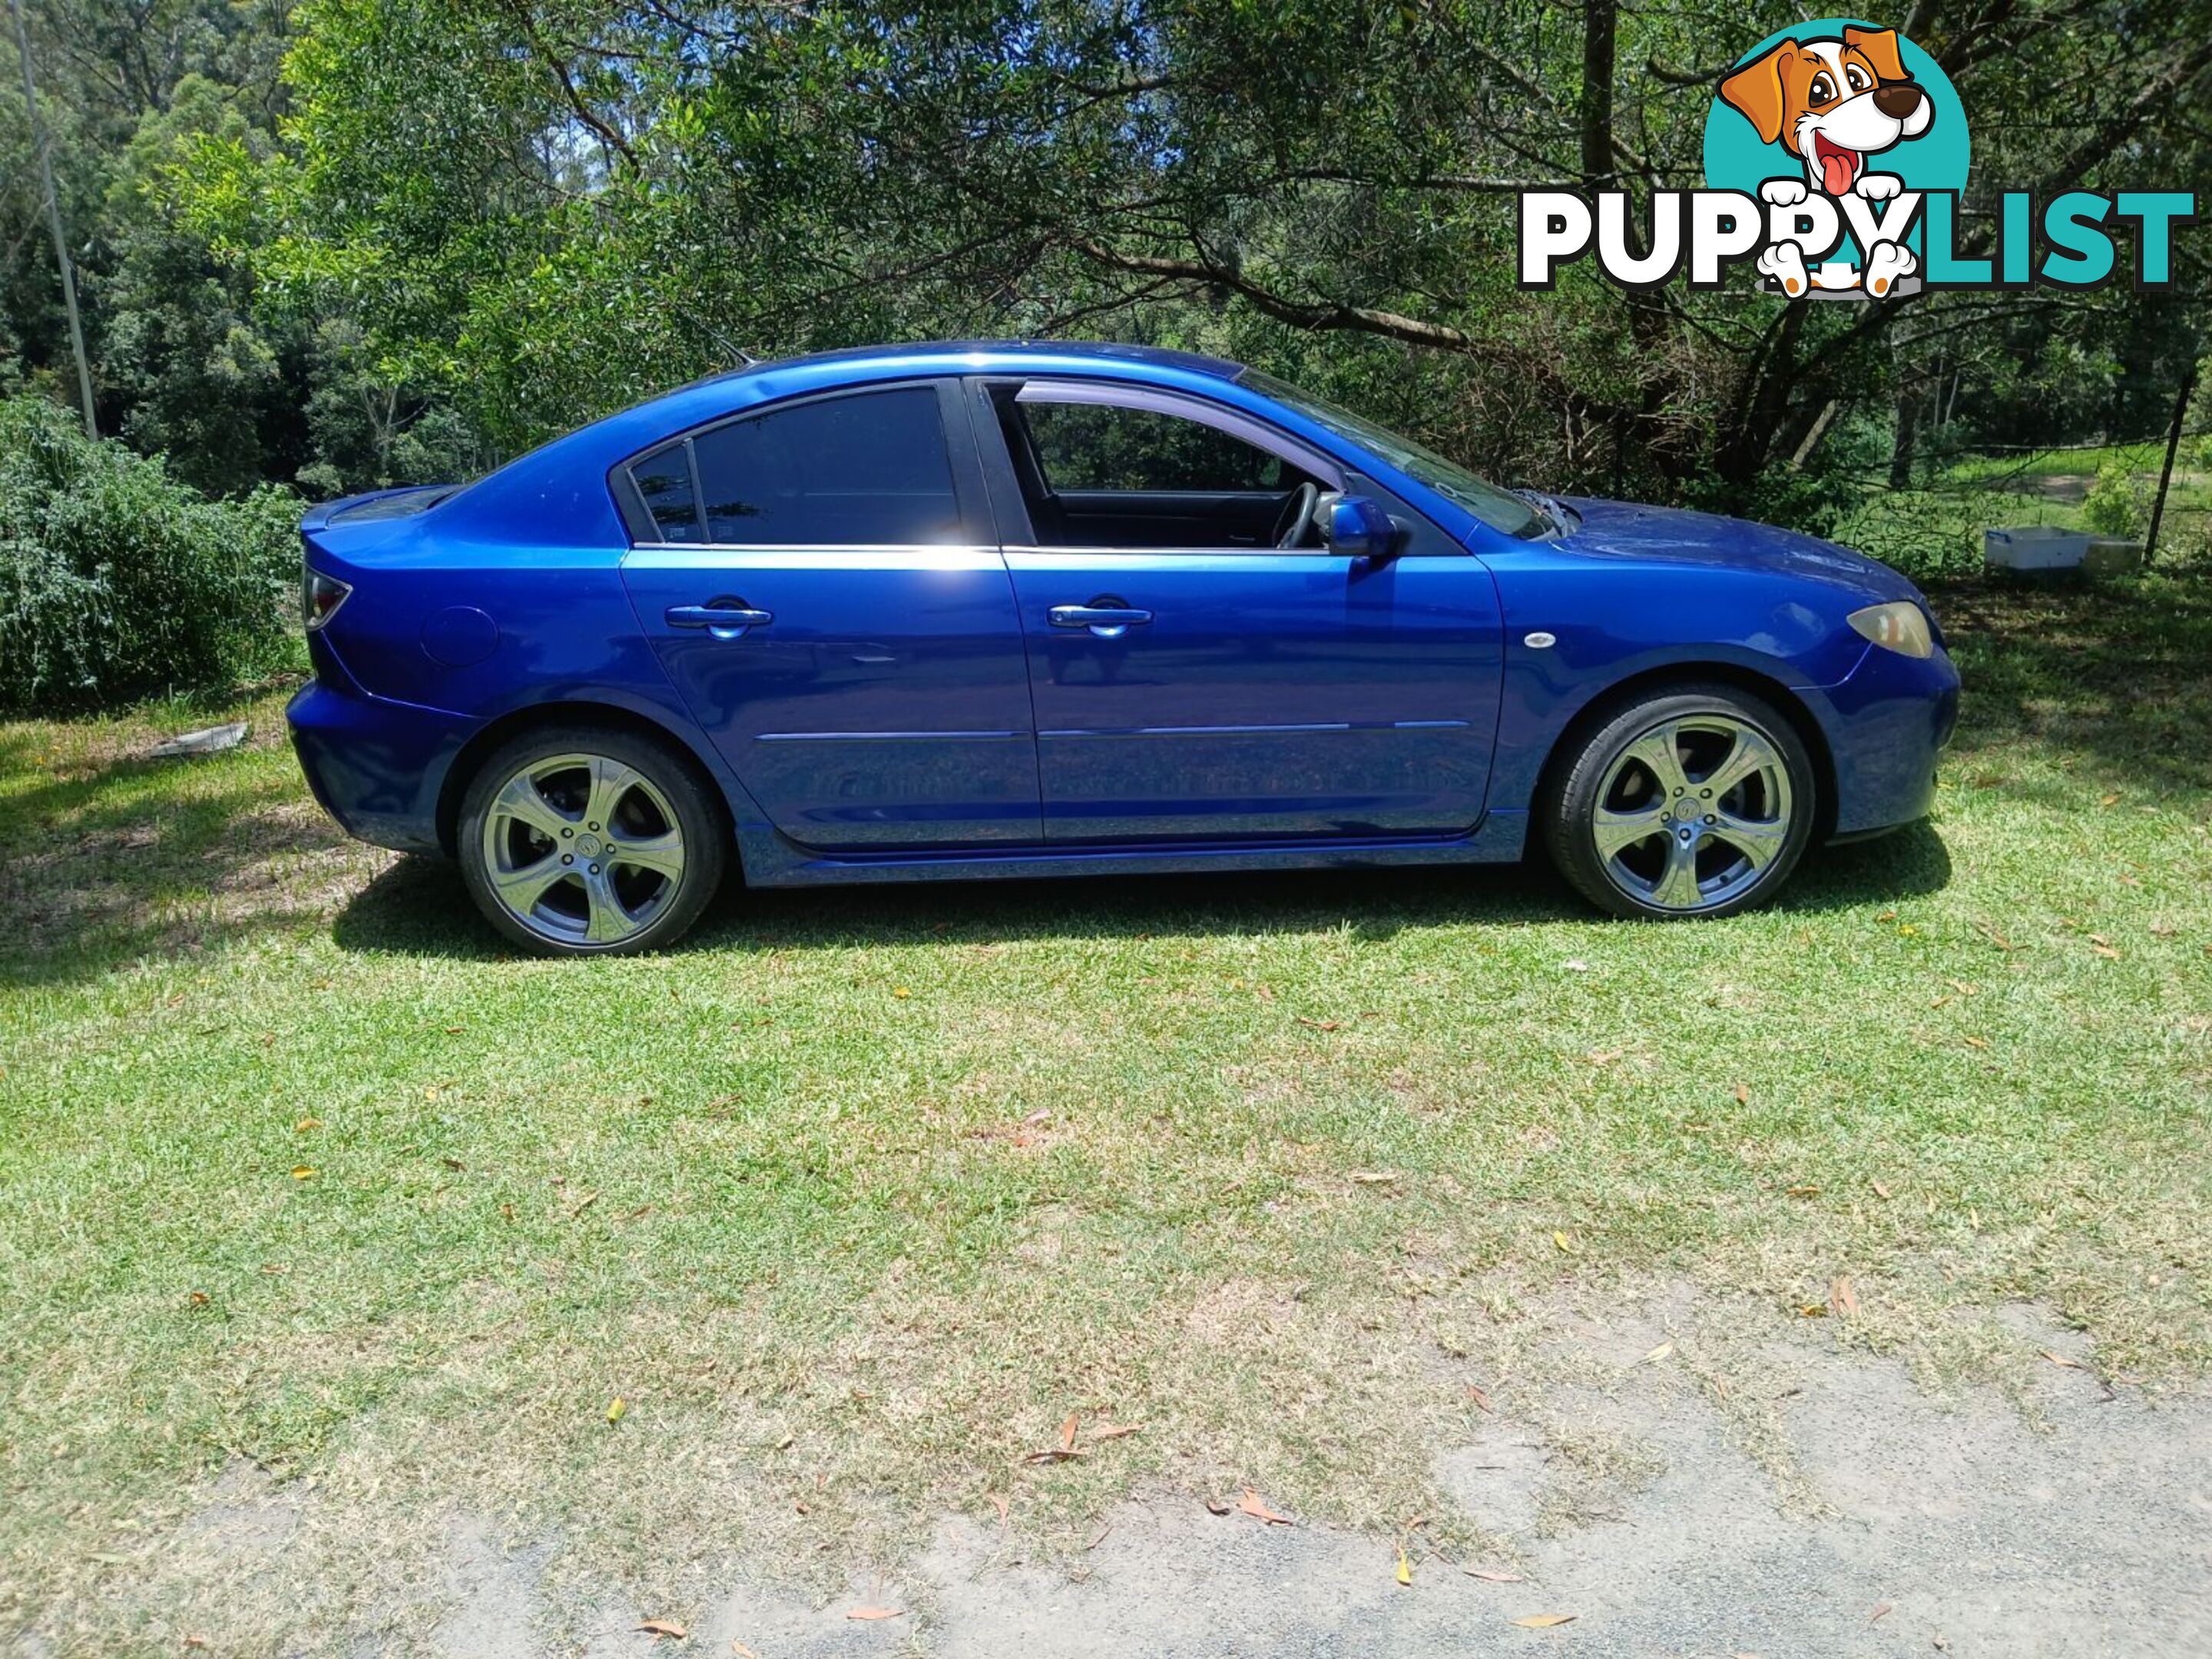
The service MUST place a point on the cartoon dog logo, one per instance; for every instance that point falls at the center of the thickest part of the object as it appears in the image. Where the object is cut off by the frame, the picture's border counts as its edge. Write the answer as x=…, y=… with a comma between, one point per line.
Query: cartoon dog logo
x=1833, y=103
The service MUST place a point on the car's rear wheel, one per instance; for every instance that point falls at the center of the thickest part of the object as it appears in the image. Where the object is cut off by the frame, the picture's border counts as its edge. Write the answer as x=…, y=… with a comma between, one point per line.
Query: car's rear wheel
x=589, y=840
x=1694, y=801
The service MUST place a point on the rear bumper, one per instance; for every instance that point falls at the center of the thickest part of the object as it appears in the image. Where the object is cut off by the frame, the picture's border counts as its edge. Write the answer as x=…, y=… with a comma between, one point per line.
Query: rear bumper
x=375, y=766
x=1886, y=724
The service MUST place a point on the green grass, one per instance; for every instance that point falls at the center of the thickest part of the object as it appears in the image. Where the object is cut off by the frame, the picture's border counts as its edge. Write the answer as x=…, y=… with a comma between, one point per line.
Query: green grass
x=855, y=1197
x=1934, y=530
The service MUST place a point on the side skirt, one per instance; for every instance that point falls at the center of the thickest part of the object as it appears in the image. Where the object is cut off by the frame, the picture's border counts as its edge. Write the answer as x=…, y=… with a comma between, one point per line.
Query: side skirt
x=771, y=859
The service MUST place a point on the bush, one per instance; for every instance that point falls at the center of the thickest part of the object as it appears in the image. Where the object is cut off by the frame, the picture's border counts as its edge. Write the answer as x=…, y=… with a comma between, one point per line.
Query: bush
x=2115, y=504
x=117, y=582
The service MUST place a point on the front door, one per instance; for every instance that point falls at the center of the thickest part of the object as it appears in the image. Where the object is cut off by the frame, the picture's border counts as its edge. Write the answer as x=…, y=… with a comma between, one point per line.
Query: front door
x=823, y=591
x=1208, y=682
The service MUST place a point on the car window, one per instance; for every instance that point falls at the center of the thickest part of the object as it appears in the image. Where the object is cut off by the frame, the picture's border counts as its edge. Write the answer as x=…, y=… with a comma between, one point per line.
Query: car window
x=664, y=478
x=1101, y=446
x=868, y=469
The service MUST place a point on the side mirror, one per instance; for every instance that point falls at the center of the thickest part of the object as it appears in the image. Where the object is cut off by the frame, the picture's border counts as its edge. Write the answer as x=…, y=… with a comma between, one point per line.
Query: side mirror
x=1356, y=527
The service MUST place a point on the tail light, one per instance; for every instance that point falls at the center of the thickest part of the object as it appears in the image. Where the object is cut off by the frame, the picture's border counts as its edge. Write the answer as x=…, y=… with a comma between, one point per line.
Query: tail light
x=320, y=596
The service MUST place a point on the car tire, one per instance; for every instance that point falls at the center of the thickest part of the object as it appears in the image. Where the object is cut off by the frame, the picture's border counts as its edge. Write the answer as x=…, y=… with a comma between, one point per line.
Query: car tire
x=1717, y=831
x=584, y=840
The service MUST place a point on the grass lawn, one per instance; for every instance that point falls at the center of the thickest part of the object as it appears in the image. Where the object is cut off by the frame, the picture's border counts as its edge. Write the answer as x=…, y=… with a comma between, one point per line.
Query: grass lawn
x=855, y=1198
x=1938, y=524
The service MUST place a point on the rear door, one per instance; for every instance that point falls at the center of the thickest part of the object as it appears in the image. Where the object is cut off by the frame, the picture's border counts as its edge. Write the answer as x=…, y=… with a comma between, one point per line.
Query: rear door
x=1193, y=681
x=822, y=582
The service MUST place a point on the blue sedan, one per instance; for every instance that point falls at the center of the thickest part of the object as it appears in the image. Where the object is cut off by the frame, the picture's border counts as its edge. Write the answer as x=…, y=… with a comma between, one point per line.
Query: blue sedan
x=1019, y=609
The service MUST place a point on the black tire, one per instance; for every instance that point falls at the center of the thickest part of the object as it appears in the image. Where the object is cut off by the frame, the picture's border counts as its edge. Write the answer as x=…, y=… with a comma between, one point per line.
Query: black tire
x=577, y=912
x=1722, y=845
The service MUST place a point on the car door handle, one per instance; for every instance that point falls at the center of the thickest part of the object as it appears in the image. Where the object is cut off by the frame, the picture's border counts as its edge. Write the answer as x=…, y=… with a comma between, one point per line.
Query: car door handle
x=1107, y=622
x=721, y=618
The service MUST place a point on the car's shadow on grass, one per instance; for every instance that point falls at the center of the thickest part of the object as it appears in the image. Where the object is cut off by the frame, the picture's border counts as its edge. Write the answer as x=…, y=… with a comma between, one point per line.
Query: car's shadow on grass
x=419, y=908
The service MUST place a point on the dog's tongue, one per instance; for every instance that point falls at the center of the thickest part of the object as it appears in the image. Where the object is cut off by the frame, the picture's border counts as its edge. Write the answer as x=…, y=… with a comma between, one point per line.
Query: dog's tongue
x=1837, y=170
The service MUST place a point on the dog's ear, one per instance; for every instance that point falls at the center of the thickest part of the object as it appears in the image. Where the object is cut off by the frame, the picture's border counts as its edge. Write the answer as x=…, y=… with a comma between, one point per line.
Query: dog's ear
x=1756, y=91
x=1880, y=46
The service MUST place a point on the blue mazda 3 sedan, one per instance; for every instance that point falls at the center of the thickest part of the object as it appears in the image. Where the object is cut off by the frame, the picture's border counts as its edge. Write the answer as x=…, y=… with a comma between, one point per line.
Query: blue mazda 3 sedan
x=1019, y=609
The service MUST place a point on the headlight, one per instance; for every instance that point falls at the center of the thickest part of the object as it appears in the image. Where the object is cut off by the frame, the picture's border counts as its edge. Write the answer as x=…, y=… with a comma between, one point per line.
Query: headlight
x=1899, y=626
x=320, y=596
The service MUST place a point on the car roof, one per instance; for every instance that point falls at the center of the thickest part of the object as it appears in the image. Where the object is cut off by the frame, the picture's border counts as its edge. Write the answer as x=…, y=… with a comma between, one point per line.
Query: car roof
x=866, y=363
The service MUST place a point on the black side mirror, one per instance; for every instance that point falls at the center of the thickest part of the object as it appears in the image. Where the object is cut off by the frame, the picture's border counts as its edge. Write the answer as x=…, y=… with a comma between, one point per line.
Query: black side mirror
x=1356, y=527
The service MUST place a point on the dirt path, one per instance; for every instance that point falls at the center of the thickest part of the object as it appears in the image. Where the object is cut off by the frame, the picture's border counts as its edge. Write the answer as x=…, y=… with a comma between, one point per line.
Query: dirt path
x=1846, y=1512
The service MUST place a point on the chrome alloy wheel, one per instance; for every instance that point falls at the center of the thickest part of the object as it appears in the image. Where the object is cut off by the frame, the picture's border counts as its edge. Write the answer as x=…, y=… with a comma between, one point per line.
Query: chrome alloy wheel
x=1691, y=812
x=581, y=850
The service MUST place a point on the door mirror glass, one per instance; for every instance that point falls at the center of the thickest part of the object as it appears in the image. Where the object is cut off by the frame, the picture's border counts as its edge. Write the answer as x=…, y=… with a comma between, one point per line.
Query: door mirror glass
x=1356, y=527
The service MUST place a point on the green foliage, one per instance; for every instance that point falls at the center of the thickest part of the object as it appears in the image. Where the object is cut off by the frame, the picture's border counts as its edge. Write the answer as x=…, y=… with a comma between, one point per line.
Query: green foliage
x=2114, y=504
x=118, y=582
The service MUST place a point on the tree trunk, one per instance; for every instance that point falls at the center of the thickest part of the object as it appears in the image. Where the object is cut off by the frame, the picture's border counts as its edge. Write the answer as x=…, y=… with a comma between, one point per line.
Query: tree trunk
x=1908, y=437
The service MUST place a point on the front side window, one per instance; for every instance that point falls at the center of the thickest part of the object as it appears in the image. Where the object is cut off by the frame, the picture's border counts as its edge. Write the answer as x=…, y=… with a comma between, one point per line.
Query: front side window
x=1102, y=446
x=867, y=469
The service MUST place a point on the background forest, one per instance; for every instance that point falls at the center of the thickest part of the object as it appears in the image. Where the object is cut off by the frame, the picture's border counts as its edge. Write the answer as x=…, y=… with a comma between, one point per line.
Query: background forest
x=328, y=245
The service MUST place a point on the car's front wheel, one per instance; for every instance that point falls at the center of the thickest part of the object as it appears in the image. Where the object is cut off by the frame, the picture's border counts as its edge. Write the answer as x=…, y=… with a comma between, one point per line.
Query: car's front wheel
x=589, y=840
x=1694, y=801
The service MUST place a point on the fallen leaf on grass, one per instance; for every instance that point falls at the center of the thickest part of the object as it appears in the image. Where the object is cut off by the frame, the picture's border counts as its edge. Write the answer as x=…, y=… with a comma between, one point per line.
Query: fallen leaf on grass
x=199, y=1298
x=1976, y=1043
x=1545, y=1620
x=306, y=1124
x=1052, y=1455
x=1480, y=1399
x=1258, y=1511
x=2061, y=1359
x=1743, y=1094
x=1492, y=1576
x=2103, y=951
x=1803, y=1189
x=1405, y=1568
x=582, y=1204
x=1659, y=1352
x=1215, y=1506
x=1843, y=1296
x=998, y=1502
x=1880, y=1191
x=1067, y=1434
x=1812, y=1311
x=1566, y=1245
x=1373, y=1177
x=876, y=1612
x=741, y=1650
x=664, y=1627
x=616, y=1407
x=1114, y=1431
x=303, y=1172
x=1321, y=1024
x=1880, y=1609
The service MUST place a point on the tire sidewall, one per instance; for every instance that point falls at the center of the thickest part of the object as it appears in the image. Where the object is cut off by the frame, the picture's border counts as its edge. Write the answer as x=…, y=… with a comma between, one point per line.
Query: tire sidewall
x=1568, y=828
x=700, y=817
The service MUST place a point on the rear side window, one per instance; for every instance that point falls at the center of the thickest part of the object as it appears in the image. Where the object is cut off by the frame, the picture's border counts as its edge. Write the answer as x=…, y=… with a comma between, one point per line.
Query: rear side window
x=664, y=480
x=870, y=468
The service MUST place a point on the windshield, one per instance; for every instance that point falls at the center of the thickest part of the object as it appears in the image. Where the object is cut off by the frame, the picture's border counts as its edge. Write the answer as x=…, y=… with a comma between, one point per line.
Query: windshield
x=1493, y=506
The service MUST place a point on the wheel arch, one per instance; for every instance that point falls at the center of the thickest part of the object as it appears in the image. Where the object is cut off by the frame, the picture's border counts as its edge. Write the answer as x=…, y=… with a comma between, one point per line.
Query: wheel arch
x=468, y=759
x=1603, y=706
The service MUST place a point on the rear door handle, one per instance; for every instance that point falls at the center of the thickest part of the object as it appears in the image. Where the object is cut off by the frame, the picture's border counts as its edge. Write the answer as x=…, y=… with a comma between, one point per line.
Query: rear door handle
x=1106, y=622
x=723, y=621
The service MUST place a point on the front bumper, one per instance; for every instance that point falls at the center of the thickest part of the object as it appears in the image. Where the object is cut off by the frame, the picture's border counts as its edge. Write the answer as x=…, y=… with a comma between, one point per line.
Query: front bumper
x=1887, y=723
x=374, y=765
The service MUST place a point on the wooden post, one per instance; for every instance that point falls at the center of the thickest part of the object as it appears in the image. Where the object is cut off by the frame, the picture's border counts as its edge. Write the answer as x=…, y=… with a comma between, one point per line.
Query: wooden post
x=54, y=221
x=2166, y=473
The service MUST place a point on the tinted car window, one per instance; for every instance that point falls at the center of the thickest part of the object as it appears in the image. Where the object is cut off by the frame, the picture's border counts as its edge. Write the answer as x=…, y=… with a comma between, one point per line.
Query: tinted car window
x=865, y=469
x=664, y=478
x=1099, y=446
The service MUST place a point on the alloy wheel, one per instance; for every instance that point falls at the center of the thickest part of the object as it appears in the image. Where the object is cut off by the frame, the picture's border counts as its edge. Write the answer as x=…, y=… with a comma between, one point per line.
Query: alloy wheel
x=582, y=850
x=1693, y=812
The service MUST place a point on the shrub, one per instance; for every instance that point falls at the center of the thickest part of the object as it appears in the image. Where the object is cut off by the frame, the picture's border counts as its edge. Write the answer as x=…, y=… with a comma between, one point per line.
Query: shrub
x=117, y=582
x=2114, y=504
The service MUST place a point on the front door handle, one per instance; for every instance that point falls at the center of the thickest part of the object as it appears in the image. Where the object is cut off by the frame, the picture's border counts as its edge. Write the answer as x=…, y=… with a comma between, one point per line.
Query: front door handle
x=724, y=619
x=1107, y=619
